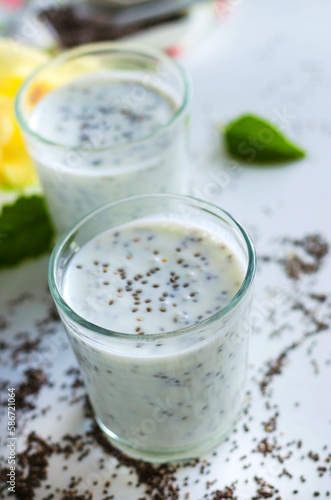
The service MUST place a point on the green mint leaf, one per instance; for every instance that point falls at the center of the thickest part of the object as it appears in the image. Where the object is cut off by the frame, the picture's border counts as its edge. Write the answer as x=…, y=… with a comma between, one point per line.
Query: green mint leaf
x=25, y=230
x=253, y=140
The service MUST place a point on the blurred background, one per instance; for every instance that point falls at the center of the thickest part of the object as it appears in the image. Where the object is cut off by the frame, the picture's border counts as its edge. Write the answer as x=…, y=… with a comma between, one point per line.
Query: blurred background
x=174, y=25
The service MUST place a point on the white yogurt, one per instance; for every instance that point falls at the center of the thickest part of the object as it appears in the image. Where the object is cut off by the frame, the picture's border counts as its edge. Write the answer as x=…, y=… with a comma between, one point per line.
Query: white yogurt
x=123, y=111
x=112, y=142
x=152, y=278
x=175, y=393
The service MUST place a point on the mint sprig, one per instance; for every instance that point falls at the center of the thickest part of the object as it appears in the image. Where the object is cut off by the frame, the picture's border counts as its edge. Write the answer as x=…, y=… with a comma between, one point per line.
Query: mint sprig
x=25, y=230
x=253, y=140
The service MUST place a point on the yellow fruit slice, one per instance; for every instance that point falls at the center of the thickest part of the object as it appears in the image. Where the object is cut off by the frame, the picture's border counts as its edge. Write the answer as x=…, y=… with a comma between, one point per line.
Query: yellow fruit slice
x=18, y=172
x=18, y=59
x=17, y=62
x=6, y=120
x=9, y=85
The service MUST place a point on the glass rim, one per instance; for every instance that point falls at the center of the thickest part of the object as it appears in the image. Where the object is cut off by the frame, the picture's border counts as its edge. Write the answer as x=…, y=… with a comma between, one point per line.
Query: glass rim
x=90, y=48
x=131, y=337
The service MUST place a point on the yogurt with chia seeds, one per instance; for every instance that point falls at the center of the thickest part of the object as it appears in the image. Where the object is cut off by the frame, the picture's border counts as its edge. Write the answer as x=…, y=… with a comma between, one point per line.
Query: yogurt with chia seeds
x=171, y=395
x=103, y=122
x=111, y=145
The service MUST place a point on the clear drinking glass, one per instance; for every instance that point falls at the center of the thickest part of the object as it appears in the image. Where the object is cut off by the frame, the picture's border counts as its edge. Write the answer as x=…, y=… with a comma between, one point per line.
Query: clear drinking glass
x=77, y=180
x=143, y=414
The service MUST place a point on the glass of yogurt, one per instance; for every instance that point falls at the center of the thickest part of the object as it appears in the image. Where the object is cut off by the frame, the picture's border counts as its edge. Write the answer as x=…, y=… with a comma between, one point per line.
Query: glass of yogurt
x=103, y=122
x=155, y=294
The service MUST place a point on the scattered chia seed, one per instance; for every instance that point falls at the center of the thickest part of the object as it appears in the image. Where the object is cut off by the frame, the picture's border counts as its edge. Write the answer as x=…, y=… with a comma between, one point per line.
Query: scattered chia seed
x=34, y=381
x=270, y=426
x=32, y=467
x=265, y=448
x=319, y=297
x=314, y=249
x=314, y=456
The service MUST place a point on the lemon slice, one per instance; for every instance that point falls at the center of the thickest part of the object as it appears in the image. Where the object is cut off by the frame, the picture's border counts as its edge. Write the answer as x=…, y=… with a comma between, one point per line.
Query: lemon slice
x=17, y=61
x=7, y=124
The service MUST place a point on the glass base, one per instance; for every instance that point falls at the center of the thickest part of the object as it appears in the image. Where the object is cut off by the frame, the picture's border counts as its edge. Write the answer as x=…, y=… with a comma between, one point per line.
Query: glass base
x=174, y=455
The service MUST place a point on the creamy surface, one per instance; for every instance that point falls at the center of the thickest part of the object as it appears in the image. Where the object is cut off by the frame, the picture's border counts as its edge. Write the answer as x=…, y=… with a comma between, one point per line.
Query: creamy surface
x=119, y=111
x=175, y=396
x=99, y=120
x=152, y=278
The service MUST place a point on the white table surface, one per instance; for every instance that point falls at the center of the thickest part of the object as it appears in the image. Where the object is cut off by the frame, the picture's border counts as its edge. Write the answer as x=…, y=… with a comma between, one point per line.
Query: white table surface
x=271, y=59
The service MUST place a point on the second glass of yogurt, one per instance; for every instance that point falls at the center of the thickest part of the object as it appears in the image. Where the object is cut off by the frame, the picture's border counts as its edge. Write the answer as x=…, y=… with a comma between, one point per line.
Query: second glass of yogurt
x=155, y=294
x=103, y=122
